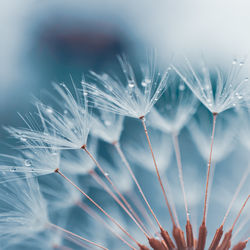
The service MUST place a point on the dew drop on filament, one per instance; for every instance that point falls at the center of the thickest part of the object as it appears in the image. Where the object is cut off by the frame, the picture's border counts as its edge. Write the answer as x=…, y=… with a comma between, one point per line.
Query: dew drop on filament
x=131, y=84
x=107, y=123
x=49, y=110
x=181, y=87
x=27, y=163
x=23, y=139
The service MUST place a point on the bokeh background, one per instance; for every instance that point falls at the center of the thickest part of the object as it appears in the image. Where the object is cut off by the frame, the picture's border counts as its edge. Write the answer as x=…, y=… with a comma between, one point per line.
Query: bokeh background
x=45, y=41
x=49, y=41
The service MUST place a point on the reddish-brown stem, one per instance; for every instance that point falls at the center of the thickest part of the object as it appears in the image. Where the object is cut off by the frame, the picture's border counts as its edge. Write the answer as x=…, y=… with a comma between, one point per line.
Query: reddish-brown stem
x=76, y=235
x=98, y=206
x=180, y=170
x=97, y=217
x=209, y=167
x=157, y=170
x=217, y=237
x=226, y=243
x=240, y=246
x=138, y=204
x=76, y=241
x=219, y=231
x=109, y=191
x=156, y=244
x=243, y=206
x=189, y=235
x=244, y=177
x=202, y=237
x=84, y=147
x=118, y=148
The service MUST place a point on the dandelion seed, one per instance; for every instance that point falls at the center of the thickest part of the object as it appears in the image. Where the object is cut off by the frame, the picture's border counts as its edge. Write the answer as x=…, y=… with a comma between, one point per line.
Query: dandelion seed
x=128, y=97
x=59, y=130
x=217, y=89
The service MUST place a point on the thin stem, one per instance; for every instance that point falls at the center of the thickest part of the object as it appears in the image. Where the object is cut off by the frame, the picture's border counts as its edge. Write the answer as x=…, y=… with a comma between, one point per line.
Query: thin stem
x=180, y=169
x=235, y=195
x=84, y=147
x=96, y=216
x=76, y=235
x=243, y=206
x=157, y=171
x=209, y=167
x=118, y=148
x=109, y=191
x=138, y=204
x=98, y=206
x=242, y=224
x=76, y=241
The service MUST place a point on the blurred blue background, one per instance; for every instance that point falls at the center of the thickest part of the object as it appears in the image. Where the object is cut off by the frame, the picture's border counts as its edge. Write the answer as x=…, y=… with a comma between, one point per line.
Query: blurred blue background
x=46, y=41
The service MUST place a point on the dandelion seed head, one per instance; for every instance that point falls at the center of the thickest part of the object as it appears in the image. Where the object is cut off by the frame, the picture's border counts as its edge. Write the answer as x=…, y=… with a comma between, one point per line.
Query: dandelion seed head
x=35, y=161
x=218, y=89
x=23, y=211
x=128, y=96
x=58, y=130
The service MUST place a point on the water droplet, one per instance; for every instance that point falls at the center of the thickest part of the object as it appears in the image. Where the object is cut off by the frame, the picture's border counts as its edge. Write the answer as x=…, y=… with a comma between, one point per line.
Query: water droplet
x=65, y=111
x=207, y=87
x=131, y=84
x=107, y=123
x=241, y=63
x=106, y=174
x=181, y=87
x=49, y=110
x=27, y=163
x=234, y=62
x=13, y=169
x=144, y=84
x=23, y=139
x=62, y=84
x=85, y=93
x=246, y=79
